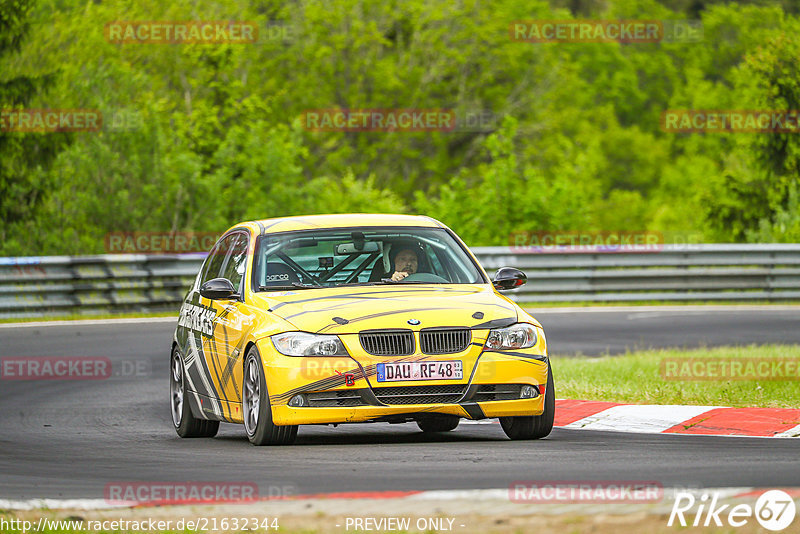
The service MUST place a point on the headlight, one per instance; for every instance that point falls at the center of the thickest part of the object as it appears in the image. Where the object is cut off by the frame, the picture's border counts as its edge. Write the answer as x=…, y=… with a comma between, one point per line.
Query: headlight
x=518, y=336
x=305, y=344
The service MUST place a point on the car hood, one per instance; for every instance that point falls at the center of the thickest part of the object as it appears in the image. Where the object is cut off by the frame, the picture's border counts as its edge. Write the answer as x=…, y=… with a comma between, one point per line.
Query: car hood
x=348, y=310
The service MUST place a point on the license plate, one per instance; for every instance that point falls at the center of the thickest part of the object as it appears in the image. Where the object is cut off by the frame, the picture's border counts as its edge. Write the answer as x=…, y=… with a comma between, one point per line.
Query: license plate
x=395, y=371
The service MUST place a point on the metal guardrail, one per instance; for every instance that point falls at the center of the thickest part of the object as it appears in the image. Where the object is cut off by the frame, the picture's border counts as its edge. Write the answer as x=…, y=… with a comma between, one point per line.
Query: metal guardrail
x=65, y=285
x=58, y=285
x=673, y=273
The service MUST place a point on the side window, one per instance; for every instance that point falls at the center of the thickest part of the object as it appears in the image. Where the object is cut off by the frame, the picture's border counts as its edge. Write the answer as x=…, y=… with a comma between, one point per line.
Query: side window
x=234, y=267
x=216, y=258
x=201, y=276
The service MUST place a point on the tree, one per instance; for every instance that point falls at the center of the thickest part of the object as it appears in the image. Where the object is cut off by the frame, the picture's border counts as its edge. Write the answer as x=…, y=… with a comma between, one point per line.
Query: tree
x=22, y=154
x=757, y=200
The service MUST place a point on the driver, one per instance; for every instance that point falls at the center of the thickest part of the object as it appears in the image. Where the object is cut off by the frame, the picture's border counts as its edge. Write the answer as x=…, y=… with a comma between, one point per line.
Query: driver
x=406, y=262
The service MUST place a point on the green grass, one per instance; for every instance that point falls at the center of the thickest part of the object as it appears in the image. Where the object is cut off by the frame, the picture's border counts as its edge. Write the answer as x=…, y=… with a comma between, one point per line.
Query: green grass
x=637, y=378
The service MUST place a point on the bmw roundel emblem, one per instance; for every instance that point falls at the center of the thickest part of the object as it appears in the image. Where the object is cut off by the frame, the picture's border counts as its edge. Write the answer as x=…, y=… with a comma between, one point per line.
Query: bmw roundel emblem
x=413, y=322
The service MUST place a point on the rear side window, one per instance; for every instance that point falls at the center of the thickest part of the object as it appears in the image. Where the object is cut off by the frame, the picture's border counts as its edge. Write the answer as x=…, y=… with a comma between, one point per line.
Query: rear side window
x=236, y=262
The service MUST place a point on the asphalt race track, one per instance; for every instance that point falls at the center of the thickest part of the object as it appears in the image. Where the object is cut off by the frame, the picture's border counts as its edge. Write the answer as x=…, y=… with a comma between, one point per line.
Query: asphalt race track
x=68, y=439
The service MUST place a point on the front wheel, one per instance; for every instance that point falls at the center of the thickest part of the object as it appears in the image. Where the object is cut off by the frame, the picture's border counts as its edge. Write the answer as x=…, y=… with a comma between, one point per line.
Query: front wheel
x=186, y=424
x=256, y=409
x=534, y=426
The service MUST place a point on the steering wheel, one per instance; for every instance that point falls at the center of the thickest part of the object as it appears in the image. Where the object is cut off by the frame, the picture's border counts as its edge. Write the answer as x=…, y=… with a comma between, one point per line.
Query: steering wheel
x=424, y=277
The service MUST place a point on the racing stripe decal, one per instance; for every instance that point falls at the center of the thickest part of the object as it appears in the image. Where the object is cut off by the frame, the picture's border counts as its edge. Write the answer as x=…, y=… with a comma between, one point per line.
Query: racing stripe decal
x=323, y=384
x=538, y=357
x=307, y=222
x=189, y=387
x=437, y=223
x=367, y=294
x=212, y=346
x=198, y=362
x=330, y=308
x=227, y=373
x=495, y=323
x=472, y=374
x=381, y=314
x=473, y=410
x=326, y=383
x=230, y=363
x=337, y=380
x=264, y=227
x=497, y=304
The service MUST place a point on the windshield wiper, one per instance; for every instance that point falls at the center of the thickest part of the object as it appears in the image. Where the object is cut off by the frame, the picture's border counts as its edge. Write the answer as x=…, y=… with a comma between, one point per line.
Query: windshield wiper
x=295, y=285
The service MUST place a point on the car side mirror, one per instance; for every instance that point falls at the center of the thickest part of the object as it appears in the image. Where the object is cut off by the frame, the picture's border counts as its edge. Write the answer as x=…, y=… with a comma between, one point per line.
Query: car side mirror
x=217, y=289
x=508, y=278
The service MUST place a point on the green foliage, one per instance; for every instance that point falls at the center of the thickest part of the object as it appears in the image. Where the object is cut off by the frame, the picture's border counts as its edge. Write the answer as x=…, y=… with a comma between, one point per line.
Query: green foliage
x=22, y=154
x=201, y=136
x=502, y=196
x=756, y=197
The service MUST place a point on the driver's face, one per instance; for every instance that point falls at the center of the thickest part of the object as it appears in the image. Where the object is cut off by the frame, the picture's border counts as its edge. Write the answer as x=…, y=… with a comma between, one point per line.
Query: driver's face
x=406, y=261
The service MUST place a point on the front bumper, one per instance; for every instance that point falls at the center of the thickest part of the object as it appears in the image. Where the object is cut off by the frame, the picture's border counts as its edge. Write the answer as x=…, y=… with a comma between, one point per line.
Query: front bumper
x=289, y=376
x=286, y=415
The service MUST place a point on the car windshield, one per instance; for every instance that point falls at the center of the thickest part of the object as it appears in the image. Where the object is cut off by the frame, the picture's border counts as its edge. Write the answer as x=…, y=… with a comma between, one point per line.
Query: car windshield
x=363, y=256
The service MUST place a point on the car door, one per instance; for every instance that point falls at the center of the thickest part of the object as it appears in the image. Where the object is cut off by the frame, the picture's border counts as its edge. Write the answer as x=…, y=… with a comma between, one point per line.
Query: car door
x=197, y=334
x=231, y=318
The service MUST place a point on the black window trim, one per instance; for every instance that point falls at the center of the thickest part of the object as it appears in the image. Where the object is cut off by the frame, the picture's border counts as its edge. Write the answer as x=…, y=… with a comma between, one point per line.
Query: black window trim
x=204, y=267
x=242, y=231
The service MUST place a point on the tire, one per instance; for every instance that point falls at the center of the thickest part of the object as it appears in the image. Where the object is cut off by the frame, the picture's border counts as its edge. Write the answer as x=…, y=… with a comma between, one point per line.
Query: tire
x=256, y=410
x=534, y=426
x=186, y=424
x=439, y=423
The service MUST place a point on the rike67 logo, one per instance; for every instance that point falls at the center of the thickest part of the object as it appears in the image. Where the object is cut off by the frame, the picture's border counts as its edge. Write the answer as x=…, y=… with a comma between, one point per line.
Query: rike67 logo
x=774, y=510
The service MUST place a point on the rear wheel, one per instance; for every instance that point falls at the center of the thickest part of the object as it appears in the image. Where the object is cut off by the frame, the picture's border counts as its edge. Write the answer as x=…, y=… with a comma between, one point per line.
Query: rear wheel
x=186, y=424
x=534, y=426
x=256, y=408
x=440, y=423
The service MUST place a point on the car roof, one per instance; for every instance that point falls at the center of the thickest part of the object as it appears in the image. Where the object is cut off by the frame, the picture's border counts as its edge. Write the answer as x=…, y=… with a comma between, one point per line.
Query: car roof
x=339, y=220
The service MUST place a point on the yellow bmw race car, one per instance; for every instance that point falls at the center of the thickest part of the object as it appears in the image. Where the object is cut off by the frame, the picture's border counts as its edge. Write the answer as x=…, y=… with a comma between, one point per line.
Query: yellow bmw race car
x=332, y=319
